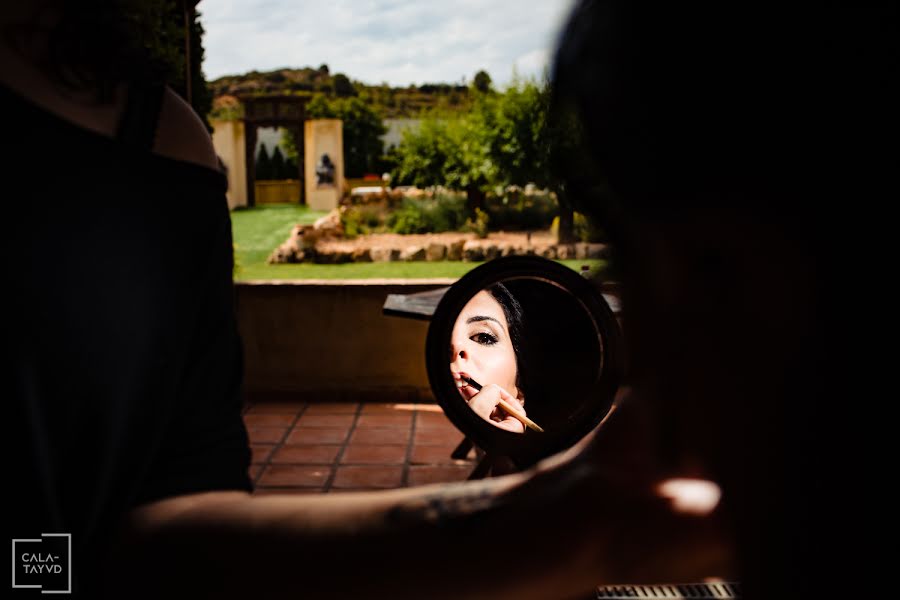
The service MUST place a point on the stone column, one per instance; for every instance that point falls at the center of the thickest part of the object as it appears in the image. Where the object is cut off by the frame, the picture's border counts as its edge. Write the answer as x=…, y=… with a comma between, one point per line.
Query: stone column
x=323, y=144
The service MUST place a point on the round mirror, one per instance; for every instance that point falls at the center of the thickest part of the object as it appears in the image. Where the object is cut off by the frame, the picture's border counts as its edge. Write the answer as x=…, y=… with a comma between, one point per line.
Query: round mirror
x=524, y=356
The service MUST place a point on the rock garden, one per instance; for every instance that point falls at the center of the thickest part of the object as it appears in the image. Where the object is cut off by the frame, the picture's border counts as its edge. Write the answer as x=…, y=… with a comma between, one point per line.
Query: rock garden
x=414, y=225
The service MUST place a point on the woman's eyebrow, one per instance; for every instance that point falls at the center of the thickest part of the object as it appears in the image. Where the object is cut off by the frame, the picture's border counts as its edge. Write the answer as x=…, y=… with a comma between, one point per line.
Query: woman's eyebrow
x=477, y=318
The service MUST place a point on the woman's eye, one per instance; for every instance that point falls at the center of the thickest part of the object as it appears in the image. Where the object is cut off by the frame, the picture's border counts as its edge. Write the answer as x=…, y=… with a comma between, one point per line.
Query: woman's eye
x=485, y=339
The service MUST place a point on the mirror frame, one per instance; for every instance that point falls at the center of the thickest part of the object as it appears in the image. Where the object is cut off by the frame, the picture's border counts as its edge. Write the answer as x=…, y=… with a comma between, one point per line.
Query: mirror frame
x=524, y=450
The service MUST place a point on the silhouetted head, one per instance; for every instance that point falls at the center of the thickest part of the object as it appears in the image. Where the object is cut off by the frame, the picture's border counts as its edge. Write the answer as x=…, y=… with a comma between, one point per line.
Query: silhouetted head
x=718, y=138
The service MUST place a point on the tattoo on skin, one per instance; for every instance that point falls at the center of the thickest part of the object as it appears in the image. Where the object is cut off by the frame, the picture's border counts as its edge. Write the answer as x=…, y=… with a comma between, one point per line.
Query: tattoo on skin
x=447, y=505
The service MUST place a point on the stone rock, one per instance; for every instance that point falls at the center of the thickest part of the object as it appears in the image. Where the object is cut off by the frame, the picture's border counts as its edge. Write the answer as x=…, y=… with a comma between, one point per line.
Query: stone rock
x=413, y=253
x=384, y=254
x=279, y=255
x=491, y=252
x=565, y=251
x=472, y=251
x=333, y=257
x=455, y=250
x=362, y=255
x=597, y=251
x=304, y=236
x=548, y=252
x=435, y=252
x=322, y=258
x=330, y=224
x=507, y=249
x=297, y=232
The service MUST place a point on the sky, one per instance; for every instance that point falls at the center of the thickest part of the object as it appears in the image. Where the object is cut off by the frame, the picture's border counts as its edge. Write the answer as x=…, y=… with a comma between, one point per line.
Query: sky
x=395, y=41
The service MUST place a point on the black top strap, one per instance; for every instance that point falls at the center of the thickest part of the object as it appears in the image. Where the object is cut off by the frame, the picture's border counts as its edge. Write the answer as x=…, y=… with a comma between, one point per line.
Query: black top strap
x=137, y=125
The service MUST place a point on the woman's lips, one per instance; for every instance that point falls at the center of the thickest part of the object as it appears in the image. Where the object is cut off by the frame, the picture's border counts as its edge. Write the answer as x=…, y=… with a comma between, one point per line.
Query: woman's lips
x=465, y=390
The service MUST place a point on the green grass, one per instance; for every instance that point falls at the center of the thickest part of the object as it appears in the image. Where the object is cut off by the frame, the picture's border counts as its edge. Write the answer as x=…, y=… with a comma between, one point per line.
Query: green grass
x=257, y=231
x=385, y=270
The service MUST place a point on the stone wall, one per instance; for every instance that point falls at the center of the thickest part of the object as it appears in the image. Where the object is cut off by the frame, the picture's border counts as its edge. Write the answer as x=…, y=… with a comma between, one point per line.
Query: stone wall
x=323, y=242
x=228, y=141
x=327, y=336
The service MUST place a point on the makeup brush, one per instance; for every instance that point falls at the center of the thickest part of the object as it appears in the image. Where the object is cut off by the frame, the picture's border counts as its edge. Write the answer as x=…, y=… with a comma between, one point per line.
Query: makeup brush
x=506, y=406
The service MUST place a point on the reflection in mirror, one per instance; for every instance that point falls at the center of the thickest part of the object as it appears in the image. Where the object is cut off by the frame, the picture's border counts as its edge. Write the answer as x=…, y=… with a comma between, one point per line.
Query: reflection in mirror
x=484, y=357
x=523, y=355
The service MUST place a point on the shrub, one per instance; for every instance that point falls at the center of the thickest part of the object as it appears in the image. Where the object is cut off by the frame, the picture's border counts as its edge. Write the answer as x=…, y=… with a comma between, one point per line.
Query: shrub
x=517, y=211
x=478, y=226
x=351, y=222
x=409, y=218
x=444, y=212
x=585, y=230
x=361, y=220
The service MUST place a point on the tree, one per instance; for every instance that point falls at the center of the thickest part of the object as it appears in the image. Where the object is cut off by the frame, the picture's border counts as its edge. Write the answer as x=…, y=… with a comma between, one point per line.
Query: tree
x=515, y=121
x=291, y=154
x=449, y=152
x=529, y=143
x=422, y=154
x=363, y=128
x=482, y=82
x=263, y=164
x=320, y=108
x=158, y=26
x=290, y=168
x=278, y=164
x=342, y=85
x=507, y=138
x=566, y=154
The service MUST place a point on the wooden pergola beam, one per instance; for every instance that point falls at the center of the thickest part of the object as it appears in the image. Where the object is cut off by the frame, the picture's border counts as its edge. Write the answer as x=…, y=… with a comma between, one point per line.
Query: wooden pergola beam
x=188, y=7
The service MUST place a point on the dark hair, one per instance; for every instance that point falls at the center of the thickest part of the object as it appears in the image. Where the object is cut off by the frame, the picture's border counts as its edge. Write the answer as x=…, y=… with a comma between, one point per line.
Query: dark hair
x=515, y=320
x=700, y=104
x=762, y=111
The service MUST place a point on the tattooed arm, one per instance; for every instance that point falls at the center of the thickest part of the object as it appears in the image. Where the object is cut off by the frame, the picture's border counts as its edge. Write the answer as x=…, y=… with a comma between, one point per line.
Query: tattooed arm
x=492, y=538
x=555, y=531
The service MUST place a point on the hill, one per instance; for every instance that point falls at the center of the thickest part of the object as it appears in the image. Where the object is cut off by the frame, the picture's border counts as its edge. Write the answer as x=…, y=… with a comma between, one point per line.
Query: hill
x=389, y=102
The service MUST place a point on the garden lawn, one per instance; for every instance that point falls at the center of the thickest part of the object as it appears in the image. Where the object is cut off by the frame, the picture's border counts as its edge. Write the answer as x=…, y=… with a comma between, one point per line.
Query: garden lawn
x=259, y=230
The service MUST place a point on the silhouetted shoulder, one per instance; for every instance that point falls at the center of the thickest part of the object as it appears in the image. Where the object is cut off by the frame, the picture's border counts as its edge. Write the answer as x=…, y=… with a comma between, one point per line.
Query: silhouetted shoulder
x=182, y=135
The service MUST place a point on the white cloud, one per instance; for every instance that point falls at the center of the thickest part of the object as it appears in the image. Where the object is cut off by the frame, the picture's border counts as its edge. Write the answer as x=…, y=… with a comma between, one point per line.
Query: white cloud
x=396, y=41
x=533, y=63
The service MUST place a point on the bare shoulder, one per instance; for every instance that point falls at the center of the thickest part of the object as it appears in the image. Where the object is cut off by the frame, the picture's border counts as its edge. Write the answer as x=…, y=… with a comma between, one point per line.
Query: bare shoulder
x=182, y=135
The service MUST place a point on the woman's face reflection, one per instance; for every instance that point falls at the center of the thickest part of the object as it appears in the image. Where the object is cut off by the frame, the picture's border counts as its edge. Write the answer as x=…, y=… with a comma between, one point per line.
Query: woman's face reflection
x=481, y=348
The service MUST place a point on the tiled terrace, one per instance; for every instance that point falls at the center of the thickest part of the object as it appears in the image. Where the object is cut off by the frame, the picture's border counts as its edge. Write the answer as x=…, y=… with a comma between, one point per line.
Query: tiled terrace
x=342, y=446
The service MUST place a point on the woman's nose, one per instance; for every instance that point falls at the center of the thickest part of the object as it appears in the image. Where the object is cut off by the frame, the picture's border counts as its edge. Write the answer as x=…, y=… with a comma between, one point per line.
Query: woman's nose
x=457, y=354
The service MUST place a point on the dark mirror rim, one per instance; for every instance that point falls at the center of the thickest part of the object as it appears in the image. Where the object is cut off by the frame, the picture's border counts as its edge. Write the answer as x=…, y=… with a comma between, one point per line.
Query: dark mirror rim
x=527, y=449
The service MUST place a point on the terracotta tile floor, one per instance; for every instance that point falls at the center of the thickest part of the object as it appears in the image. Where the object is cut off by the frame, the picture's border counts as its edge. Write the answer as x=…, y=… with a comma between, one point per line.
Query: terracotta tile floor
x=336, y=446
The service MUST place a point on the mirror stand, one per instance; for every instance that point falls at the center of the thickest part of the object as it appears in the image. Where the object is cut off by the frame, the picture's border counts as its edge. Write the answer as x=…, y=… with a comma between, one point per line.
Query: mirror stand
x=462, y=451
x=488, y=465
x=493, y=465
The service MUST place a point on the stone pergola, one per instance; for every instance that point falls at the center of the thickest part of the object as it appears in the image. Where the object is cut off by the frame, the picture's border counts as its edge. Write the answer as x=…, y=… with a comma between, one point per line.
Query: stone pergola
x=276, y=111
